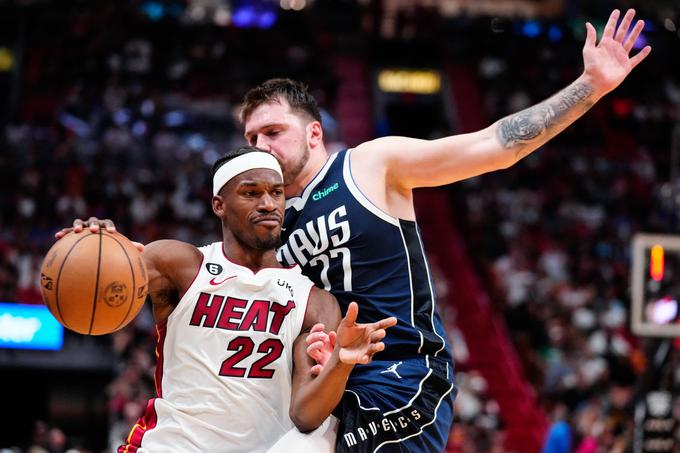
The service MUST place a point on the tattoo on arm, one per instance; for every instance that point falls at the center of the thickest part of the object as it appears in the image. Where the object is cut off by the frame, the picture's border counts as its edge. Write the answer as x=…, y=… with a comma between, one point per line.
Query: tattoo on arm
x=547, y=118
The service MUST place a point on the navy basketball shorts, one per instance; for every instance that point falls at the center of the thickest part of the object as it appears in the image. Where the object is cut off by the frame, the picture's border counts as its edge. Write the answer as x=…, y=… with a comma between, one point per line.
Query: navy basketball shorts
x=401, y=405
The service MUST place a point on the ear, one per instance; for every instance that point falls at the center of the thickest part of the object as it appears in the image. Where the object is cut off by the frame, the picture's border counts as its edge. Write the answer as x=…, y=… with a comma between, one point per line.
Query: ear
x=314, y=134
x=218, y=206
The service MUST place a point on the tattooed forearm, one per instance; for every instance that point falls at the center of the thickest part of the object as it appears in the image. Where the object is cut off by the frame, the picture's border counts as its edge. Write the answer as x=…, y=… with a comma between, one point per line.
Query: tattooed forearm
x=545, y=119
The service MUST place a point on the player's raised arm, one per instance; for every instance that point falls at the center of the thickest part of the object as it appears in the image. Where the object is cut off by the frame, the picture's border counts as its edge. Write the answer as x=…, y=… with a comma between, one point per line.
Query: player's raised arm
x=314, y=397
x=407, y=163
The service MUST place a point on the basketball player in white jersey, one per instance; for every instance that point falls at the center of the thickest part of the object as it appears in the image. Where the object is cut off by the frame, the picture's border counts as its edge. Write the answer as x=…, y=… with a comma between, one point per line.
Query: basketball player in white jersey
x=232, y=368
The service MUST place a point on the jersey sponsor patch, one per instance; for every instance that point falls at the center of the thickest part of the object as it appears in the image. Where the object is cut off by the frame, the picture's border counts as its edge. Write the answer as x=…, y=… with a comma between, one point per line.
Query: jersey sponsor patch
x=213, y=268
x=319, y=194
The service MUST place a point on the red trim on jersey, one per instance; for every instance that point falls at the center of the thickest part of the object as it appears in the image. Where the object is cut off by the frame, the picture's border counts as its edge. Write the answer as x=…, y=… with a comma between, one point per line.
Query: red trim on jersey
x=193, y=280
x=161, y=330
x=309, y=298
x=145, y=423
x=254, y=273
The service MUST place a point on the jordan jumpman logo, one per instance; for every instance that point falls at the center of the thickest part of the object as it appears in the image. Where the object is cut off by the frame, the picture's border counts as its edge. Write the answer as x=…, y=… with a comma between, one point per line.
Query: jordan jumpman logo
x=392, y=369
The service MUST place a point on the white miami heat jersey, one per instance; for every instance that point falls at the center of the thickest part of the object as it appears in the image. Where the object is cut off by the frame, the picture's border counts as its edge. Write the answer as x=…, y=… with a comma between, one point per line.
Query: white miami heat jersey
x=225, y=360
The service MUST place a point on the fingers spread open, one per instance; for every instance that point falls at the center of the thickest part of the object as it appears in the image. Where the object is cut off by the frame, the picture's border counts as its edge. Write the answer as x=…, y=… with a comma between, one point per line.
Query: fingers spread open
x=377, y=347
x=591, y=35
x=640, y=56
x=611, y=24
x=385, y=323
x=633, y=36
x=377, y=335
x=624, y=25
x=352, y=313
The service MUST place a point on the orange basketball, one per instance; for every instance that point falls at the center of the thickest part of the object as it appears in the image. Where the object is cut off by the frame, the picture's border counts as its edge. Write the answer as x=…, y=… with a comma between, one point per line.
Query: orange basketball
x=94, y=283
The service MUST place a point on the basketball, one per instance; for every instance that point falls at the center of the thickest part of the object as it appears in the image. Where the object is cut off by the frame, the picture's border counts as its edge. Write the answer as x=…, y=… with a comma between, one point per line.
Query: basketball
x=93, y=283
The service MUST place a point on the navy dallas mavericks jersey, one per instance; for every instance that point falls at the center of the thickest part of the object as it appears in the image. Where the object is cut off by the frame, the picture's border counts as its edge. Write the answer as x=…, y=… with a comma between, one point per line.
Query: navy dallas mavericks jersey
x=348, y=246
x=402, y=400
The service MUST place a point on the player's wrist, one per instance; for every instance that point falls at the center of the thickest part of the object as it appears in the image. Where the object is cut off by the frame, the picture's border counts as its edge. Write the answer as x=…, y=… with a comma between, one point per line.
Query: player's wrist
x=597, y=90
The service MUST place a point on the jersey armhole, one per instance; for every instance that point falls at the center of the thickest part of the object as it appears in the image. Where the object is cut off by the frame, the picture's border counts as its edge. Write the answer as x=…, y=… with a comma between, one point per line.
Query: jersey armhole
x=301, y=322
x=193, y=282
x=361, y=198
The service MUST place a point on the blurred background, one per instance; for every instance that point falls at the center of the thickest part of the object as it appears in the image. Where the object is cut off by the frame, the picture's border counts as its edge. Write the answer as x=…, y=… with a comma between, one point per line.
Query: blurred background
x=117, y=109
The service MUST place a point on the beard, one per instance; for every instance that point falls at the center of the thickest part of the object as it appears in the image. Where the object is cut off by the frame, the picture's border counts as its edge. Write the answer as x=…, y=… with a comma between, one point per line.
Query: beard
x=249, y=240
x=290, y=173
x=269, y=242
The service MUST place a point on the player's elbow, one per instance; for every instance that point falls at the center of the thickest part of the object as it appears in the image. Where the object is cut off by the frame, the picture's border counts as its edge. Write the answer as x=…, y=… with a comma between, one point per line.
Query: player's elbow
x=304, y=420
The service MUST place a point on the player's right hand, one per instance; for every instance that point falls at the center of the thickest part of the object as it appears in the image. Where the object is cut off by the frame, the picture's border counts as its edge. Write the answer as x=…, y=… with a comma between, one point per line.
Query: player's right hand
x=358, y=343
x=93, y=224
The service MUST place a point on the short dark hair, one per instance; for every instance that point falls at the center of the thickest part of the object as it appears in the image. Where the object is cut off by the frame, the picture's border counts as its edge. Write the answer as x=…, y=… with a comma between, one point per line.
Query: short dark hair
x=296, y=93
x=234, y=153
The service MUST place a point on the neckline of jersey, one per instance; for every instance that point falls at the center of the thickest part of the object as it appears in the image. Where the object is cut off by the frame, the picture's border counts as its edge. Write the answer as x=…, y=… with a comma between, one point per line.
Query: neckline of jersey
x=299, y=201
x=224, y=253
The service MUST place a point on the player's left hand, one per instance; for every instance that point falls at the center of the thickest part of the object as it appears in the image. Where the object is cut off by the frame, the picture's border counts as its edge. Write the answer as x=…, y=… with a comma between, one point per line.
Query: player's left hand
x=320, y=346
x=608, y=63
x=358, y=342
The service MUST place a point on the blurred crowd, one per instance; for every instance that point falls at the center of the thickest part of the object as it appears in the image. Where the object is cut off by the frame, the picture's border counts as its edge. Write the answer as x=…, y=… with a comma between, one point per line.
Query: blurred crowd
x=121, y=117
x=551, y=236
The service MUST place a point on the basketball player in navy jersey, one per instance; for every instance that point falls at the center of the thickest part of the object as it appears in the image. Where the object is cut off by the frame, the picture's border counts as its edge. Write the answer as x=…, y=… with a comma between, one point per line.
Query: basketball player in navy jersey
x=232, y=323
x=350, y=225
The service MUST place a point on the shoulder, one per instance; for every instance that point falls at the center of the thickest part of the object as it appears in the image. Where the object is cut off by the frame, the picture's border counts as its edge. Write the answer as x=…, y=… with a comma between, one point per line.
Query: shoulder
x=321, y=297
x=382, y=149
x=173, y=266
x=373, y=165
x=170, y=249
x=166, y=254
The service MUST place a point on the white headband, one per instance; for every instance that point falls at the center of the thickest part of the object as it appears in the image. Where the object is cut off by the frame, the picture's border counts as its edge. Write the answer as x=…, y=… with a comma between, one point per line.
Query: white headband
x=244, y=162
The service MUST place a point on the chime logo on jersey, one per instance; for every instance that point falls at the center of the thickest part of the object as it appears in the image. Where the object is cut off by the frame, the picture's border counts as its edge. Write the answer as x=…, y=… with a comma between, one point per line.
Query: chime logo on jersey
x=324, y=192
x=315, y=237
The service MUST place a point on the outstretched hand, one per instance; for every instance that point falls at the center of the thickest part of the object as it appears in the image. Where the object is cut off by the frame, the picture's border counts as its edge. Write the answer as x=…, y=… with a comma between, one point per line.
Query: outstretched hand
x=358, y=342
x=93, y=224
x=608, y=62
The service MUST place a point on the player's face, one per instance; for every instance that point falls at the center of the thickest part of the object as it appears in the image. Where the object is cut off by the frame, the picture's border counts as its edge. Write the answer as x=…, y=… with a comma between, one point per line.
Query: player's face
x=252, y=208
x=274, y=128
